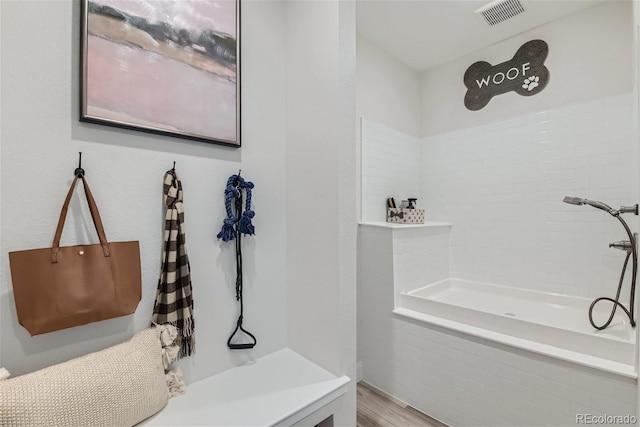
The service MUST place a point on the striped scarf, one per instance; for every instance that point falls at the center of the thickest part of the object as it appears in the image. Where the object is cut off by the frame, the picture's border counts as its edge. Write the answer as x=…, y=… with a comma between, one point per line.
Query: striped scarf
x=174, y=303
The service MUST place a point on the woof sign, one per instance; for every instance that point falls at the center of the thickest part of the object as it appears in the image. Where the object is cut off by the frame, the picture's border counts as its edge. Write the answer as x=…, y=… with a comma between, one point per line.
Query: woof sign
x=524, y=74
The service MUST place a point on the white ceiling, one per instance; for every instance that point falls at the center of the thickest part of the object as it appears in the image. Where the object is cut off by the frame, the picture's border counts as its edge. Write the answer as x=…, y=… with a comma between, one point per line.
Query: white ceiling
x=427, y=33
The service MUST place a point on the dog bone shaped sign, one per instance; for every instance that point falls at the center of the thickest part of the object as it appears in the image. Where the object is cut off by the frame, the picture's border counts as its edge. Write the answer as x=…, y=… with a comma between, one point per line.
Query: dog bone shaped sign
x=525, y=74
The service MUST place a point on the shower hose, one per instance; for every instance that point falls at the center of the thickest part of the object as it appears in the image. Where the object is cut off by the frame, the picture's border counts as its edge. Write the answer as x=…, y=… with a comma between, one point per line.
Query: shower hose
x=616, y=301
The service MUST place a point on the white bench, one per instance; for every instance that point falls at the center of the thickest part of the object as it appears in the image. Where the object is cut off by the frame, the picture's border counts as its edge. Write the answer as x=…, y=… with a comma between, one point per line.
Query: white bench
x=281, y=389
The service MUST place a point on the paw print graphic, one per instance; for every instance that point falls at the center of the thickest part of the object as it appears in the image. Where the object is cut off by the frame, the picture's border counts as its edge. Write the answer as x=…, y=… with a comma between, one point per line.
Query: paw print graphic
x=530, y=83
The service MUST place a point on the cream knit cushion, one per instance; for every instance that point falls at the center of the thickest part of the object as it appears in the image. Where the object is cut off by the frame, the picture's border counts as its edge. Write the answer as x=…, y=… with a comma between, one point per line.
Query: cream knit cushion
x=119, y=386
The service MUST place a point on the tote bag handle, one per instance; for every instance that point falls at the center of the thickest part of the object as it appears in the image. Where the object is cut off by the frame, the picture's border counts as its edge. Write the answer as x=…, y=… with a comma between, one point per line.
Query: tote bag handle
x=95, y=215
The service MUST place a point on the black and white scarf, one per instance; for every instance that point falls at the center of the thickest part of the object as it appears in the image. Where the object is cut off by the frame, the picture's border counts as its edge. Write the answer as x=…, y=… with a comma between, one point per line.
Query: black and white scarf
x=174, y=302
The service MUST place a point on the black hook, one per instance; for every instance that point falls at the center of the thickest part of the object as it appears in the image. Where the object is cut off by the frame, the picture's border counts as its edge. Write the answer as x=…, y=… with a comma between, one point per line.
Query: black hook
x=174, y=166
x=79, y=172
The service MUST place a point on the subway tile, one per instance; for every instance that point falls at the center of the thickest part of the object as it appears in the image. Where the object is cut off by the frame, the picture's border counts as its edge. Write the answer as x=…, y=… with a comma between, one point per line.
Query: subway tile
x=612, y=406
x=503, y=190
x=625, y=393
x=552, y=403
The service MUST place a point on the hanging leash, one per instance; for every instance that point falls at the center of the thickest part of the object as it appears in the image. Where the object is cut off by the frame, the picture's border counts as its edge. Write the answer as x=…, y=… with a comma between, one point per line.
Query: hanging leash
x=234, y=226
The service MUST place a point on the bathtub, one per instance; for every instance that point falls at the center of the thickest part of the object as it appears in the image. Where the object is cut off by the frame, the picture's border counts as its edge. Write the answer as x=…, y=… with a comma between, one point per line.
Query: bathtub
x=550, y=324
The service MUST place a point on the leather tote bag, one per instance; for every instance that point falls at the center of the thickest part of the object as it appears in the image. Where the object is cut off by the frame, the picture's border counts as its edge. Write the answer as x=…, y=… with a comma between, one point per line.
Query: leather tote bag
x=60, y=287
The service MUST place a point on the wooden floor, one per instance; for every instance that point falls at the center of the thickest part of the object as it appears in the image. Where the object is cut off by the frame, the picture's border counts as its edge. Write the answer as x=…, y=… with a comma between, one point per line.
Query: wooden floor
x=375, y=410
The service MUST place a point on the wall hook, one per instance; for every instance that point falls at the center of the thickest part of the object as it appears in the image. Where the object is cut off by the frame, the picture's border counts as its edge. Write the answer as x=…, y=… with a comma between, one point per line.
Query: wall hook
x=79, y=172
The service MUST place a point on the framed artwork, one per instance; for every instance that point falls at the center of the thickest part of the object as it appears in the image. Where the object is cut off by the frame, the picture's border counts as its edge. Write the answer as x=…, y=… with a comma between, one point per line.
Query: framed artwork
x=169, y=67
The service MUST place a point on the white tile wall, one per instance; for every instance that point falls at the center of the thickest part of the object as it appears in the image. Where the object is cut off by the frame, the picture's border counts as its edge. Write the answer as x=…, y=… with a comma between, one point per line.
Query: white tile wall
x=390, y=168
x=420, y=256
x=464, y=380
x=502, y=186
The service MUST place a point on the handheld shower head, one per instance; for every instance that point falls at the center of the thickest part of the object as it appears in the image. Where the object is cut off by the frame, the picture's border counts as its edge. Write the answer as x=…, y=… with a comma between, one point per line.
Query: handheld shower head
x=573, y=200
x=594, y=203
x=630, y=246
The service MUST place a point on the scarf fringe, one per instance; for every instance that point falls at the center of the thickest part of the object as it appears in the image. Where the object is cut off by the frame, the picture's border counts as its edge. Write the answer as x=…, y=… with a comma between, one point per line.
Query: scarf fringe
x=169, y=340
x=185, y=338
x=175, y=382
x=4, y=374
x=187, y=346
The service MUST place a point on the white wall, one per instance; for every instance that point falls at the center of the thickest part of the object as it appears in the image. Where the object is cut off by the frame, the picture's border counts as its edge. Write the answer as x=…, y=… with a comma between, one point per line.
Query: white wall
x=387, y=90
x=390, y=168
x=388, y=93
x=321, y=182
x=590, y=57
x=298, y=109
x=502, y=185
x=499, y=175
x=312, y=210
x=41, y=137
x=298, y=147
x=348, y=213
x=501, y=181
x=504, y=190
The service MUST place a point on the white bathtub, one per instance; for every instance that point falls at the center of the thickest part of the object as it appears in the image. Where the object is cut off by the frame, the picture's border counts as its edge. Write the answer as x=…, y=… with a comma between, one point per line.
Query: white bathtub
x=550, y=324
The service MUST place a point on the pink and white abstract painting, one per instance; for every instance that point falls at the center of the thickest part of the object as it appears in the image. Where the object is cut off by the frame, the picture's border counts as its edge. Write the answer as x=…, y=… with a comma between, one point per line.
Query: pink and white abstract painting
x=164, y=66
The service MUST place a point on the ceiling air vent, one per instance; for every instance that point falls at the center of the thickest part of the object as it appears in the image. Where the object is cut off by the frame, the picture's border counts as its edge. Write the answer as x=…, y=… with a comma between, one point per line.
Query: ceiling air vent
x=500, y=10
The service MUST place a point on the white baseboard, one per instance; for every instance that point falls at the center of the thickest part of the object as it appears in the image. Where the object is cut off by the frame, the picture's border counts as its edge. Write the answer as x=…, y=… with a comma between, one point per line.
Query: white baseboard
x=385, y=394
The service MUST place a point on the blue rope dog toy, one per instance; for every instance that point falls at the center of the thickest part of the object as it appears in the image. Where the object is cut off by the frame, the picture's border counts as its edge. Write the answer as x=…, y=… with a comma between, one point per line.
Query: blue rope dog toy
x=232, y=224
x=235, y=226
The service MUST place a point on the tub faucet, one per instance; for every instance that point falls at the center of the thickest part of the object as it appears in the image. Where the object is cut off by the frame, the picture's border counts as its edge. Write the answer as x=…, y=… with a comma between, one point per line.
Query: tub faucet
x=630, y=246
x=623, y=245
